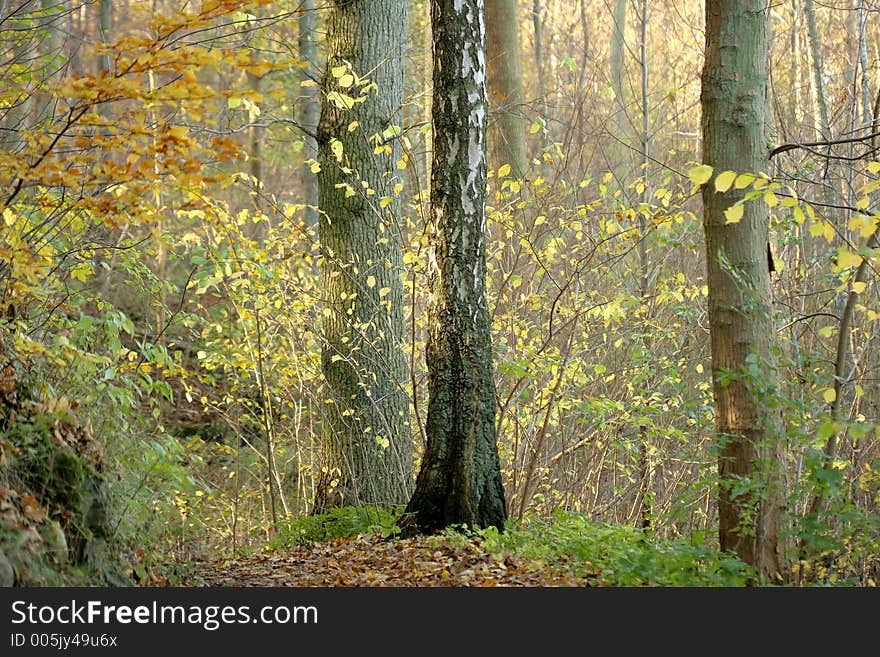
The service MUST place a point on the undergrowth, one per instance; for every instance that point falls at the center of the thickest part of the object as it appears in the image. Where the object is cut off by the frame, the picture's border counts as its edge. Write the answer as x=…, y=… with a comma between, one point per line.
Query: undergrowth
x=338, y=523
x=615, y=555
x=600, y=554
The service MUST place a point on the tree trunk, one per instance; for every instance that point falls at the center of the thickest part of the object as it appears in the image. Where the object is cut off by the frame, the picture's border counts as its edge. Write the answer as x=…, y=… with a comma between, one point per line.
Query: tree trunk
x=734, y=94
x=823, y=125
x=366, y=440
x=460, y=477
x=309, y=108
x=505, y=86
x=621, y=122
x=105, y=21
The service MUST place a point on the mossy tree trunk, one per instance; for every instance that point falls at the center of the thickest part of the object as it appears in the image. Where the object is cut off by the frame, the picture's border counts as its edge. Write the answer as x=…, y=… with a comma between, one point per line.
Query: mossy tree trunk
x=749, y=425
x=460, y=478
x=367, y=445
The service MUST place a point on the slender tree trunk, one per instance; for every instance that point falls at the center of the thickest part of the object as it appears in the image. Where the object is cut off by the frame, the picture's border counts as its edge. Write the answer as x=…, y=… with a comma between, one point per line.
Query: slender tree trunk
x=105, y=21
x=867, y=105
x=734, y=102
x=646, y=497
x=505, y=87
x=460, y=477
x=367, y=442
x=795, y=70
x=257, y=230
x=538, y=25
x=620, y=123
x=823, y=126
x=309, y=108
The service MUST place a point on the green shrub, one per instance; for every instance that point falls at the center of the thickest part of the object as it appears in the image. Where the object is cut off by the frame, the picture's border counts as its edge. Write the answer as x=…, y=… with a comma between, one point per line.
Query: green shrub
x=616, y=555
x=339, y=523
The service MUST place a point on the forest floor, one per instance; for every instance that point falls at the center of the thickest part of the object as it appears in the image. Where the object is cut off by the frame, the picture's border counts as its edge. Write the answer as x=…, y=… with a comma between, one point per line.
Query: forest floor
x=371, y=560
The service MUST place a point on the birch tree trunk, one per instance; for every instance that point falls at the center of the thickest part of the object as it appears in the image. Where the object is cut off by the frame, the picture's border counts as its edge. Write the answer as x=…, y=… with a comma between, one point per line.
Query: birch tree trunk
x=460, y=477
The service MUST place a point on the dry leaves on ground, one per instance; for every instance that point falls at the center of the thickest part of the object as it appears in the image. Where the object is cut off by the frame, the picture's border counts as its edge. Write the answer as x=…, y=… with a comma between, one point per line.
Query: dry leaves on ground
x=370, y=560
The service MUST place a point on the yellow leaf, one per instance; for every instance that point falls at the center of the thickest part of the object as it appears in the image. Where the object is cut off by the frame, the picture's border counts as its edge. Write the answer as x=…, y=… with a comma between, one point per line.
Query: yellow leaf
x=828, y=231
x=339, y=71
x=724, y=181
x=829, y=395
x=346, y=81
x=371, y=281
x=178, y=131
x=859, y=286
x=743, y=180
x=503, y=170
x=385, y=201
x=847, y=259
x=824, y=229
x=336, y=148
x=315, y=167
x=873, y=167
x=342, y=101
x=384, y=291
x=862, y=223
x=734, y=213
x=352, y=126
x=700, y=175
x=771, y=199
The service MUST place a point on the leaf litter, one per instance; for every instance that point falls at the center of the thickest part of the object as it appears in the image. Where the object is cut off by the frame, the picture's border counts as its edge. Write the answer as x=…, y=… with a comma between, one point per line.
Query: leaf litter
x=372, y=560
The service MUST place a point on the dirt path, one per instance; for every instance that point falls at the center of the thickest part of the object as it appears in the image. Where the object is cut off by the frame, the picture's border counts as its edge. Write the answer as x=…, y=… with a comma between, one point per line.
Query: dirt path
x=370, y=560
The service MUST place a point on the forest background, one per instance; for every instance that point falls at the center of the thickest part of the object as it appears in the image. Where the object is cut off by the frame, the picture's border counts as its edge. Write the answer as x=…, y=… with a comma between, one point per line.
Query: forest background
x=164, y=345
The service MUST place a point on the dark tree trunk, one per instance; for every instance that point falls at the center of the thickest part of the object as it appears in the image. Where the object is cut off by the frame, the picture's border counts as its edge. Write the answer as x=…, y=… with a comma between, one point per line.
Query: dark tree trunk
x=460, y=477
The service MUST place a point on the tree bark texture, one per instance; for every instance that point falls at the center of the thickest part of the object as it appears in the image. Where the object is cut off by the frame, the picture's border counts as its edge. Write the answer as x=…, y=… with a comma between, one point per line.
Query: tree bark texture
x=460, y=479
x=367, y=443
x=734, y=94
x=508, y=136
